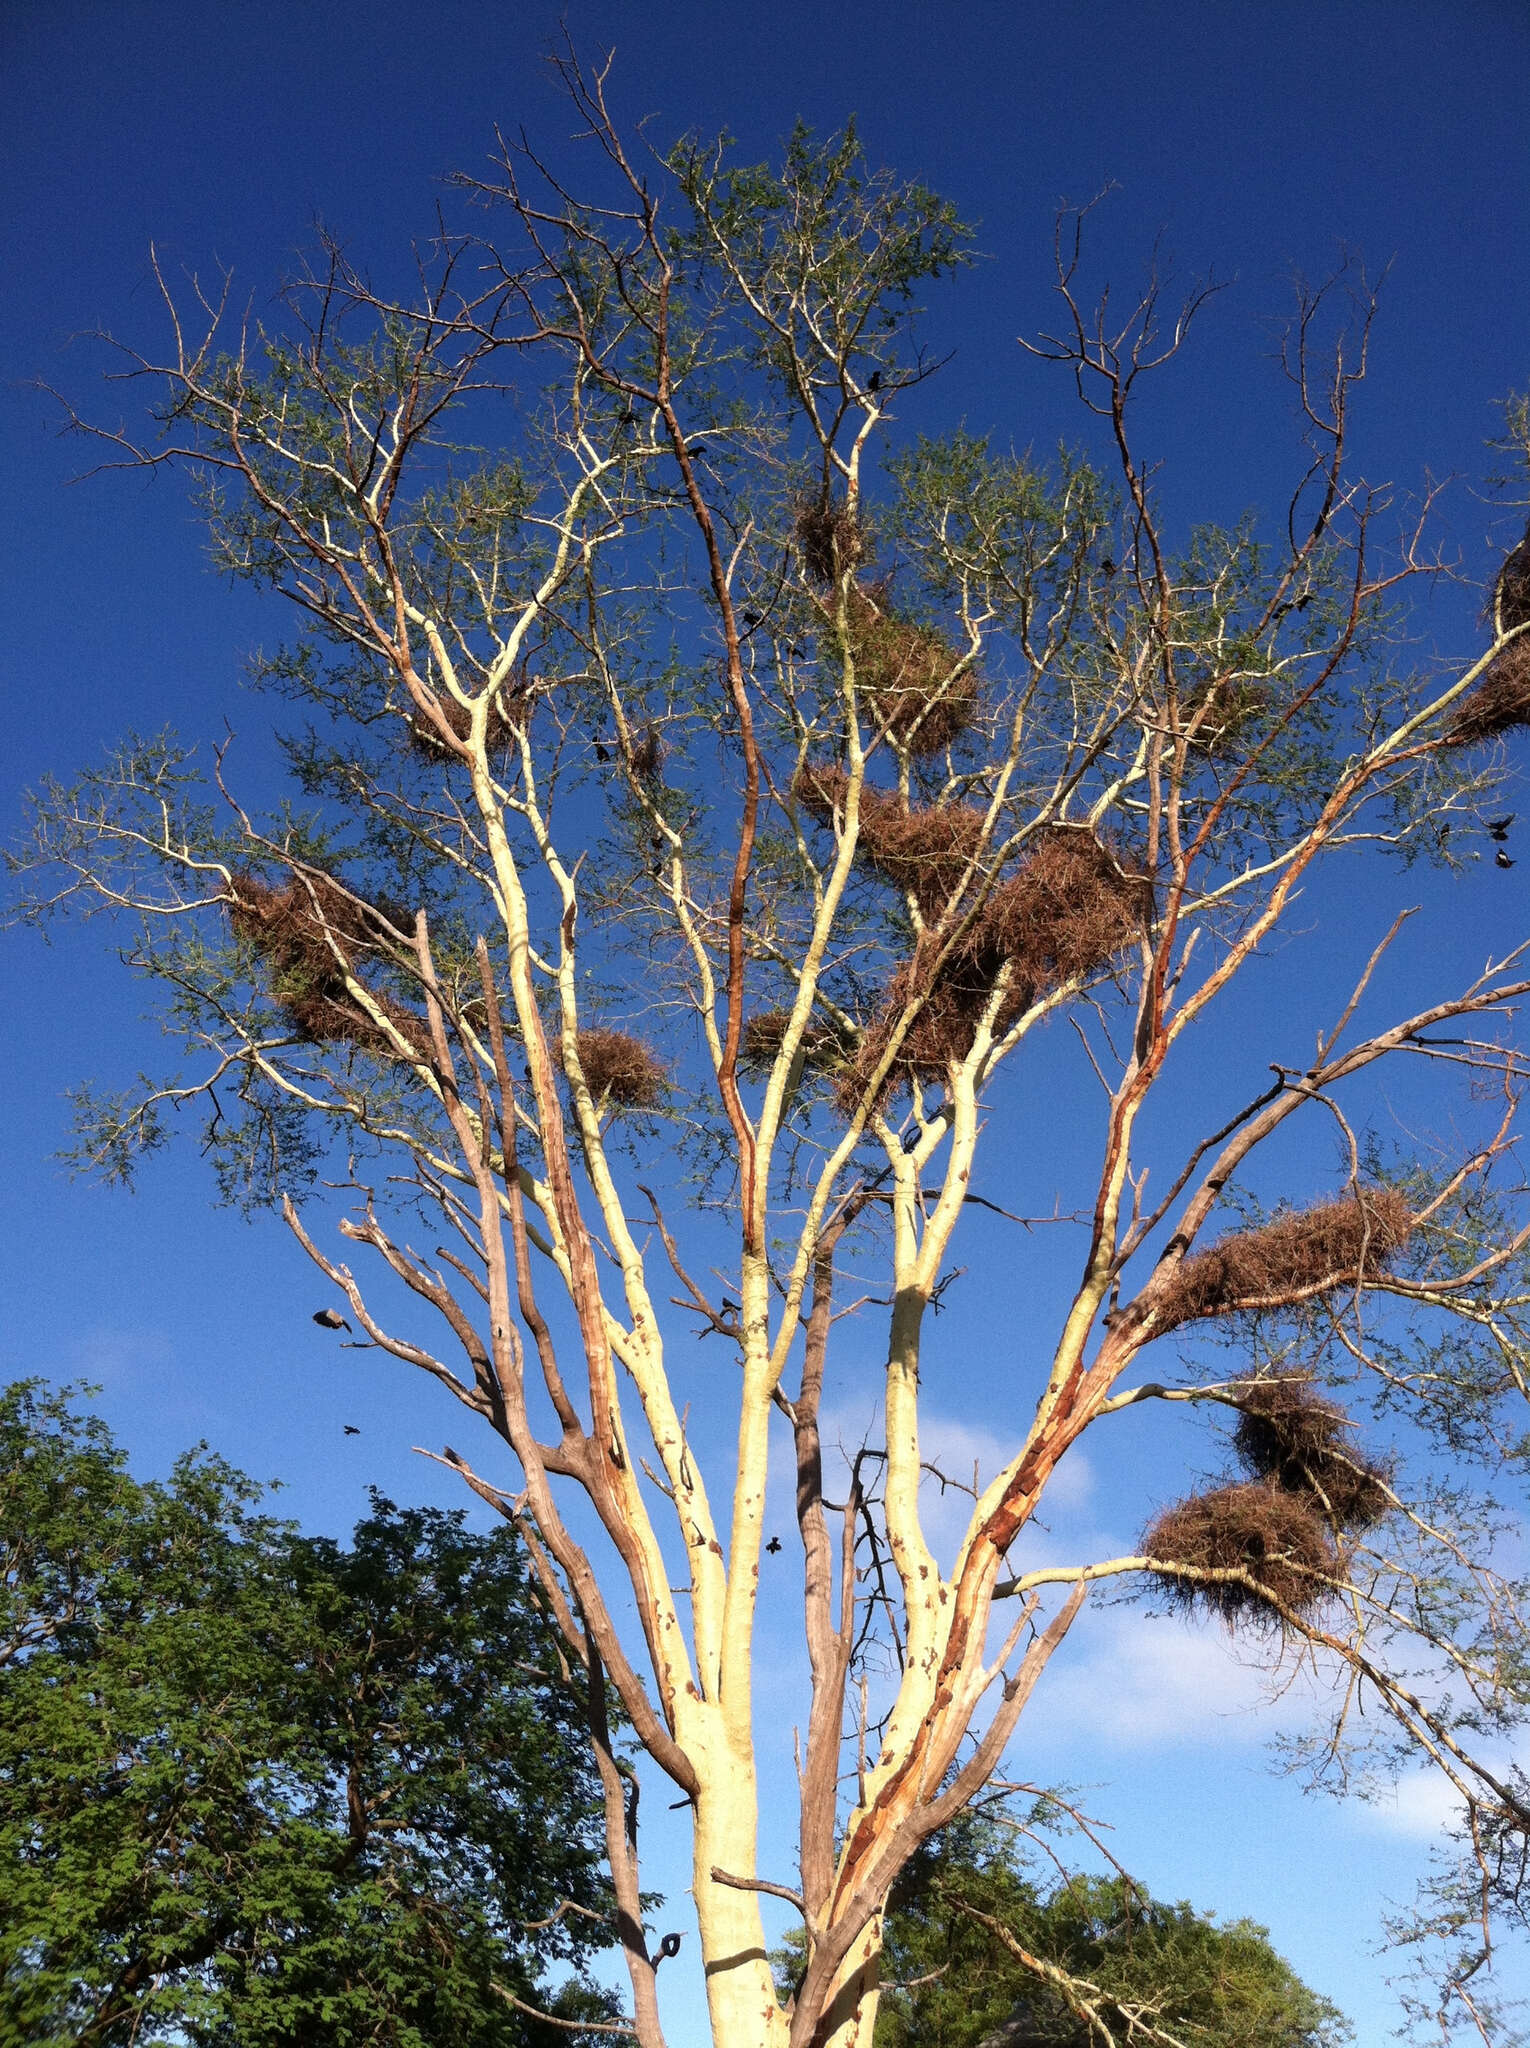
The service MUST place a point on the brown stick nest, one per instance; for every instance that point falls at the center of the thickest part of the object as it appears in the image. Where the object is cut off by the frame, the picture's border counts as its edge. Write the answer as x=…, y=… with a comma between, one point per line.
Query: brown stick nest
x=620, y=1069
x=1275, y=1538
x=823, y=1046
x=1499, y=703
x=1305, y=1253
x=1069, y=909
x=1290, y=1435
x=909, y=676
x=1222, y=713
x=1511, y=587
x=502, y=728
x=830, y=539
x=311, y=936
x=925, y=849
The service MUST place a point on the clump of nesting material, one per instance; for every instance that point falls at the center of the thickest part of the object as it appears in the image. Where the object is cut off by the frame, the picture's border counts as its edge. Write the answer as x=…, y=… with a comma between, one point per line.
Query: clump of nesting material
x=500, y=731
x=1307, y=1252
x=311, y=937
x=911, y=679
x=1273, y=1539
x=1290, y=1435
x=830, y=539
x=1070, y=908
x=823, y=1045
x=1501, y=700
x=619, y=1069
x=925, y=849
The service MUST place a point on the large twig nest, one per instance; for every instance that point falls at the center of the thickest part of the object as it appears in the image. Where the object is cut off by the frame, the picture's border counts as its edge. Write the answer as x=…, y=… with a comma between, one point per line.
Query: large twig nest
x=1499, y=703
x=501, y=728
x=1070, y=908
x=822, y=1045
x=830, y=539
x=311, y=937
x=1511, y=588
x=925, y=849
x=1289, y=1434
x=910, y=677
x=620, y=1069
x=1305, y=1253
x=1275, y=1539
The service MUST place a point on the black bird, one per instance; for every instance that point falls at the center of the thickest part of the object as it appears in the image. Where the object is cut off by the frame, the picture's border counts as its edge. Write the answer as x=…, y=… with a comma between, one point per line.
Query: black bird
x=1501, y=859
x=750, y=618
x=602, y=751
x=774, y=1545
x=1498, y=828
x=874, y=382
x=351, y=1429
x=669, y=1946
x=697, y=448
x=1107, y=567
x=327, y=1319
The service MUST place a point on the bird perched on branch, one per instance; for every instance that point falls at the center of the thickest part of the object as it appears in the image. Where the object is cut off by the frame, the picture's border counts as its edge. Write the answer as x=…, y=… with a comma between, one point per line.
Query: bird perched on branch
x=327, y=1319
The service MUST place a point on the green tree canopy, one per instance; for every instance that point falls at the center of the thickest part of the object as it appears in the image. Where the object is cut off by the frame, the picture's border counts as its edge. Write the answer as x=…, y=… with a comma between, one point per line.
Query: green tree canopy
x=267, y=1788
x=976, y=1950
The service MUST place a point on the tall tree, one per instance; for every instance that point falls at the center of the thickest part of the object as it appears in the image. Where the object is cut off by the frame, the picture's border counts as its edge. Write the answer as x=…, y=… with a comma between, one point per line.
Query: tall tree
x=262, y=1788
x=672, y=711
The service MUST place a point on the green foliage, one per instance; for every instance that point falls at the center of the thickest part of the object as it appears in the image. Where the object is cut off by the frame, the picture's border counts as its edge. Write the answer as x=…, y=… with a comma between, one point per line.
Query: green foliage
x=1109, y=1964
x=265, y=1788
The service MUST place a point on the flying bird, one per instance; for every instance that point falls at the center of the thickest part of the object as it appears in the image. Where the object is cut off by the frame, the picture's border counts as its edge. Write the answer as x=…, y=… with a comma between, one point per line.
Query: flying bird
x=327, y=1319
x=1498, y=828
x=351, y=1429
x=774, y=1545
x=1501, y=859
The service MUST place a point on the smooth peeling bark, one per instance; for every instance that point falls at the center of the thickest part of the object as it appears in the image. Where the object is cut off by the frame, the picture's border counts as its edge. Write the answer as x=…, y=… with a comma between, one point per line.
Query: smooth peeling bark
x=741, y=1994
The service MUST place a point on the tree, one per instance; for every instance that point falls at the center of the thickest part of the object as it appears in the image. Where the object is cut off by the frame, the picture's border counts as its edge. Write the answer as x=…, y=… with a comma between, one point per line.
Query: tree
x=977, y=1955
x=235, y=1801
x=653, y=702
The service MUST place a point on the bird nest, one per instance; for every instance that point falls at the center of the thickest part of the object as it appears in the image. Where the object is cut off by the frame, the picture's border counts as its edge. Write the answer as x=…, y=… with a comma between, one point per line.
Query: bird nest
x=1290, y=1435
x=823, y=1045
x=1222, y=713
x=1070, y=909
x=924, y=849
x=1305, y=1253
x=501, y=729
x=830, y=539
x=910, y=677
x=1511, y=588
x=311, y=936
x=1274, y=1540
x=1499, y=703
x=619, y=1069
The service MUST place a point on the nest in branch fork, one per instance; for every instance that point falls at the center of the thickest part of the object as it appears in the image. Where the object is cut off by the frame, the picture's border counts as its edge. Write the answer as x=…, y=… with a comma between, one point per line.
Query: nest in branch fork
x=1499, y=703
x=907, y=674
x=620, y=1069
x=1290, y=1435
x=1305, y=1253
x=823, y=1046
x=925, y=849
x=830, y=539
x=1070, y=908
x=311, y=936
x=501, y=729
x=1511, y=588
x=1222, y=712
x=1276, y=1538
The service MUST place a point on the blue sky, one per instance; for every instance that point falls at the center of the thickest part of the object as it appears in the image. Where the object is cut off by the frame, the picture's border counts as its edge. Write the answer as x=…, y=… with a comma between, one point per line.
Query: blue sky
x=1257, y=140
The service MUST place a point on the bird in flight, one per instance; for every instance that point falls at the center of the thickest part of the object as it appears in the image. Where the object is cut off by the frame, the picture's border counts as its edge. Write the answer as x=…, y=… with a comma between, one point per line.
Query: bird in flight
x=351, y=1429
x=1501, y=859
x=773, y=1545
x=1498, y=828
x=327, y=1319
